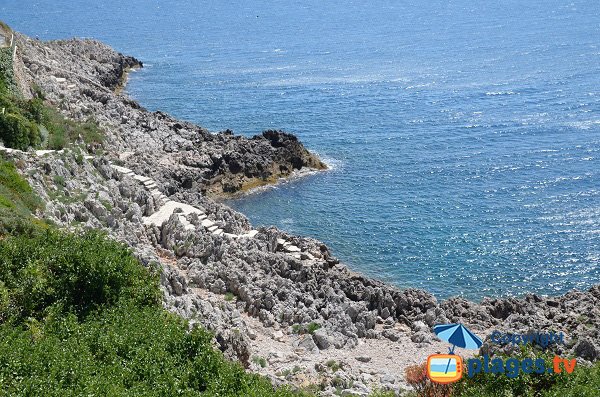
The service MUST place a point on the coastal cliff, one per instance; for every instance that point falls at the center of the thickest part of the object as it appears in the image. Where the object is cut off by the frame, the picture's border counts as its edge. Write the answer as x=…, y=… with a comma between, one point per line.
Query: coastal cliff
x=268, y=296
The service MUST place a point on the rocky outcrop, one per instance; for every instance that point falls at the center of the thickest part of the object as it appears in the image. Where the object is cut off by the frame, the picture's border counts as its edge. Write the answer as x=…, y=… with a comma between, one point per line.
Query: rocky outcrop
x=80, y=76
x=217, y=270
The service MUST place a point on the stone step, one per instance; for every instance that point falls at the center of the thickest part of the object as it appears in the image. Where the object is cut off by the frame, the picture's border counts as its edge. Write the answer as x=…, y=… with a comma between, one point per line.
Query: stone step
x=250, y=234
x=40, y=153
x=207, y=223
x=212, y=228
x=164, y=213
x=218, y=232
x=141, y=178
x=292, y=248
x=161, y=202
x=120, y=169
x=186, y=224
x=281, y=241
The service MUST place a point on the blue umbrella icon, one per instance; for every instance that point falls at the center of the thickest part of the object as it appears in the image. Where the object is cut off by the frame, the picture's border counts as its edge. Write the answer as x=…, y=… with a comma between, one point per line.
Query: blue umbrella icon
x=457, y=335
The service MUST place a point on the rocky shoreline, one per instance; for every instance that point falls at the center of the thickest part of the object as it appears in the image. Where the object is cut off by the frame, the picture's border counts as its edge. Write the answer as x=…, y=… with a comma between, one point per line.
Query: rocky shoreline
x=282, y=305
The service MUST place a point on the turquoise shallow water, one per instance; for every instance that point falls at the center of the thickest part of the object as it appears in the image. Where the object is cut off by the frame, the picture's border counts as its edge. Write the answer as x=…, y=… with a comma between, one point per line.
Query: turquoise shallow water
x=464, y=138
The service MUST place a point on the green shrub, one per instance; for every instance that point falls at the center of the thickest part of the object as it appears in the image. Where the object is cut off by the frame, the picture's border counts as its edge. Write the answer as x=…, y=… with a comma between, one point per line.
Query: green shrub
x=18, y=132
x=333, y=365
x=305, y=328
x=583, y=382
x=123, y=351
x=229, y=297
x=80, y=316
x=77, y=274
x=260, y=361
x=17, y=201
x=7, y=76
x=312, y=327
x=63, y=131
x=59, y=180
x=16, y=187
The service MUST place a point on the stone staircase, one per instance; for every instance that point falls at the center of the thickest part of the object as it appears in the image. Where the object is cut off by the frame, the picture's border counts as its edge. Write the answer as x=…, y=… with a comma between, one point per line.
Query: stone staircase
x=166, y=207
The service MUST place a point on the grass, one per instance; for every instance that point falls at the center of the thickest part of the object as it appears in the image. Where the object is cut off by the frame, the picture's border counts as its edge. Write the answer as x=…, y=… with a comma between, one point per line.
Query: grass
x=301, y=329
x=63, y=131
x=312, y=327
x=260, y=361
x=106, y=204
x=17, y=199
x=333, y=365
x=229, y=297
x=59, y=180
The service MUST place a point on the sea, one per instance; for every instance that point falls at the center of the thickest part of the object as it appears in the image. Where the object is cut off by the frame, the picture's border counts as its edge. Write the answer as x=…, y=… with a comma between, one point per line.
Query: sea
x=463, y=137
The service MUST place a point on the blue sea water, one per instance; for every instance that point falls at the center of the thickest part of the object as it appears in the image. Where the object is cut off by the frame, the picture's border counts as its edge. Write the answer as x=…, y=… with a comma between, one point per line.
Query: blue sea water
x=463, y=137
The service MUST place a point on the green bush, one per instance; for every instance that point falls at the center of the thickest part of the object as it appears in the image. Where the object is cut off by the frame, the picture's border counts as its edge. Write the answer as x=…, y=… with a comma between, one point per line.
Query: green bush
x=80, y=316
x=63, y=131
x=312, y=328
x=16, y=188
x=7, y=76
x=123, y=351
x=51, y=270
x=583, y=382
x=18, y=132
x=17, y=201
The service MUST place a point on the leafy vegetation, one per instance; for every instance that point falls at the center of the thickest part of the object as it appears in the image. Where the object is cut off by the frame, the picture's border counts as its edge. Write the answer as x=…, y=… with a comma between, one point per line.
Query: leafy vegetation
x=62, y=131
x=7, y=83
x=305, y=328
x=229, y=297
x=17, y=200
x=17, y=117
x=261, y=361
x=79, y=315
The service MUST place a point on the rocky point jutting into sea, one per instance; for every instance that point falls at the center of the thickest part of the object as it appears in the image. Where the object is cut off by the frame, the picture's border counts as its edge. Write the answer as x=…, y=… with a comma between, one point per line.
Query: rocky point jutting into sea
x=264, y=293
